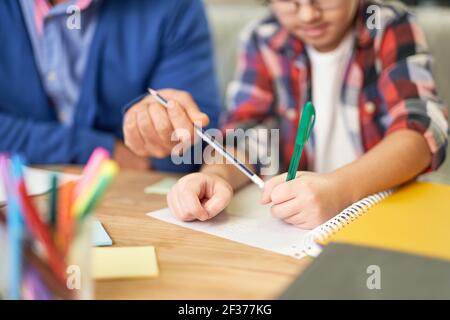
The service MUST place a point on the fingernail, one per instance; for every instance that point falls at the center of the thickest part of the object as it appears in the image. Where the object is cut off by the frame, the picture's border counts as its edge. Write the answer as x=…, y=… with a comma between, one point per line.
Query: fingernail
x=202, y=117
x=204, y=217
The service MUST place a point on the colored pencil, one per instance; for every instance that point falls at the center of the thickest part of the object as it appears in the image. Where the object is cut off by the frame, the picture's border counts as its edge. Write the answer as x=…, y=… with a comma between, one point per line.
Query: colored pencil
x=53, y=201
x=65, y=219
x=91, y=170
x=15, y=233
x=83, y=203
x=35, y=224
x=35, y=286
x=109, y=170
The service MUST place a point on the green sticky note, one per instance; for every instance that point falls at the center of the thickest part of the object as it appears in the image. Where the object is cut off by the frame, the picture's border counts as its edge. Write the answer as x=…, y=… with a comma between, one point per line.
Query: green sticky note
x=161, y=187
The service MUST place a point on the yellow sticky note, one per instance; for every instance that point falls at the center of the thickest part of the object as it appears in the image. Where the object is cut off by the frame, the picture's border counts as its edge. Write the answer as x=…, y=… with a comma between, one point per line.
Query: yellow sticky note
x=124, y=263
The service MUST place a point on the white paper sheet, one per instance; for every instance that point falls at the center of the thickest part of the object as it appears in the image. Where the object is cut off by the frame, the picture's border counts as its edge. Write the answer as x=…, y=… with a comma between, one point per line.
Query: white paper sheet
x=247, y=222
x=38, y=182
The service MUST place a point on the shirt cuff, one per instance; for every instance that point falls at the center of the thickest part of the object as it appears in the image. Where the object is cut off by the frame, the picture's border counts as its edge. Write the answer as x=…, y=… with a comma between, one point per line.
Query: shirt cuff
x=132, y=103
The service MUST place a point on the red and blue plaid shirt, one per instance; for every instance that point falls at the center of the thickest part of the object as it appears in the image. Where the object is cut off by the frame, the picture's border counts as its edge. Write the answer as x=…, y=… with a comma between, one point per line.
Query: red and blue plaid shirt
x=388, y=82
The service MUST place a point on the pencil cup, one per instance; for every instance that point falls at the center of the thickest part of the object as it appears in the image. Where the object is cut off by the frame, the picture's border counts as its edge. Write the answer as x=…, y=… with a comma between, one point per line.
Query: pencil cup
x=78, y=272
x=36, y=278
x=45, y=243
x=3, y=266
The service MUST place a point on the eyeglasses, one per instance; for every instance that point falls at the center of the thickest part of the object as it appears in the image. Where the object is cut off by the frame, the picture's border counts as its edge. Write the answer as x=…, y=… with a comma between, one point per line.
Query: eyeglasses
x=292, y=6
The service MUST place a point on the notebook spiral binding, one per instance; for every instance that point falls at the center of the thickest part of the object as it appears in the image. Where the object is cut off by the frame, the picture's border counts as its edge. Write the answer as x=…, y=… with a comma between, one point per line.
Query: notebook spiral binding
x=312, y=242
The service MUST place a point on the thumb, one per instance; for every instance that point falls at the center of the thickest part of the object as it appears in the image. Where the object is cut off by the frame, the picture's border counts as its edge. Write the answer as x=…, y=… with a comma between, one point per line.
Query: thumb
x=198, y=117
x=220, y=199
x=266, y=197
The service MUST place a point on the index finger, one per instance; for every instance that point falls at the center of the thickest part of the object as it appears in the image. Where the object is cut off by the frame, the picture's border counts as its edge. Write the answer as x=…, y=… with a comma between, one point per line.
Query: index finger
x=180, y=121
x=132, y=136
x=269, y=186
x=187, y=102
x=192, y=205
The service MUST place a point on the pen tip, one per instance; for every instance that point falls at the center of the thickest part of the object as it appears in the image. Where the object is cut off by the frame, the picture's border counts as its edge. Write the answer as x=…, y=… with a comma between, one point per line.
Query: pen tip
x=152, y=92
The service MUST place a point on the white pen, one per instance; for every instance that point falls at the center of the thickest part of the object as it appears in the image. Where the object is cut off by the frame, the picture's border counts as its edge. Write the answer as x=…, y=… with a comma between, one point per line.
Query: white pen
x=219, y=148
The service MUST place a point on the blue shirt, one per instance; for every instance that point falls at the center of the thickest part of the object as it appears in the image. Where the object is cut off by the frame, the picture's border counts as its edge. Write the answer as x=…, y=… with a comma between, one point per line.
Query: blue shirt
x=61, y=52
x=136, y=45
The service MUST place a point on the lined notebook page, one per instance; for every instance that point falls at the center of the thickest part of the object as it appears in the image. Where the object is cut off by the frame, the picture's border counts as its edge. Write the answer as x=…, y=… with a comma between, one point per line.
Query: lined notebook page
x=246, y=221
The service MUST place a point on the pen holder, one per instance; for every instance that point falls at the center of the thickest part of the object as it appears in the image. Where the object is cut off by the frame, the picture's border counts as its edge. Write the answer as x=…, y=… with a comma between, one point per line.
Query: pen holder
x=79, y=261
x=3, y=266
x=46, y=245
x=35, y=279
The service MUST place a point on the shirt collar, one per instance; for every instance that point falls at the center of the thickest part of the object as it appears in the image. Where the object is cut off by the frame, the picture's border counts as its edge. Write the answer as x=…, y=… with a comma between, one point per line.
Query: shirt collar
x=45, y=7
x=43, y=10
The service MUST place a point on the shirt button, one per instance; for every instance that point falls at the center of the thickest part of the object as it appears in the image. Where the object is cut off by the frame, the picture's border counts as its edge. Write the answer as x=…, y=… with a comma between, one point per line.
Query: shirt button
x=370, y=107
x=51, y=76
x=291, y=114
x=64, y=116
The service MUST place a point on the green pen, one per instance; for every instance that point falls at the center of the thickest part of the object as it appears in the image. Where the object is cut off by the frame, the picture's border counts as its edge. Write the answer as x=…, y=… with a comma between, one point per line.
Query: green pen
x=54, y=201
x=305, y=128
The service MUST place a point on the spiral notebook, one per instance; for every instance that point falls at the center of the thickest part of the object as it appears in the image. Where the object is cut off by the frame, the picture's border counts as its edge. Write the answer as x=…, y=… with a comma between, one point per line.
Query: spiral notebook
x=317, y=238
x=247, y=222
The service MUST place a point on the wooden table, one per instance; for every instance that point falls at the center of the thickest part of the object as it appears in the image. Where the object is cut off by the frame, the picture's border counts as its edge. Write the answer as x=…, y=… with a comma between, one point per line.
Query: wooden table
x=192, y=265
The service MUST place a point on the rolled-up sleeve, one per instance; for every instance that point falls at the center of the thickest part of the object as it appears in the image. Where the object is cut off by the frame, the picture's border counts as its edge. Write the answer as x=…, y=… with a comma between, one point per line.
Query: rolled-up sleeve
x=407, y=87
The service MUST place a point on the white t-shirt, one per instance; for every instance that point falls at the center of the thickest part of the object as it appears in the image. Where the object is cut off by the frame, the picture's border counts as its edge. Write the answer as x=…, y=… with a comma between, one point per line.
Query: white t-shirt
x=332, y=141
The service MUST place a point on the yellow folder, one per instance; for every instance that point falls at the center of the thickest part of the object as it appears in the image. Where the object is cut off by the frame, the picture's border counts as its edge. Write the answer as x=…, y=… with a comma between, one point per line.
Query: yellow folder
x=415, y=219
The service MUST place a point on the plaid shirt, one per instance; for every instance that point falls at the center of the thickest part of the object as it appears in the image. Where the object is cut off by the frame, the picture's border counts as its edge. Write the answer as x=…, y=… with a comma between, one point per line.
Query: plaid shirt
x=388, y=82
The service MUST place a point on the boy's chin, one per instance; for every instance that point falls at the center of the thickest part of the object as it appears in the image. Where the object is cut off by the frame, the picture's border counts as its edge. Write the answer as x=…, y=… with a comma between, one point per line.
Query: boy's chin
x=324, y=43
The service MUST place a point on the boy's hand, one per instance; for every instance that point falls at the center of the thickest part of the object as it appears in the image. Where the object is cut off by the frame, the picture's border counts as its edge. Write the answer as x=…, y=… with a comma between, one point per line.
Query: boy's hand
x=307, y=201
x=199, y=196
x=148, y=126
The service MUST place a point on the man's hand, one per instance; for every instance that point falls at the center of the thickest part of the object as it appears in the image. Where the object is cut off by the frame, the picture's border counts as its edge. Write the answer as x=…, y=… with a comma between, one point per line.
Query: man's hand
x=128, y=160
x=151, y=130
x=305, y=202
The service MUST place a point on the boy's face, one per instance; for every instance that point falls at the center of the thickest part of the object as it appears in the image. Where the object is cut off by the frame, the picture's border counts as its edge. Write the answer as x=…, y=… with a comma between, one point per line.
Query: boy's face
x=321, y=23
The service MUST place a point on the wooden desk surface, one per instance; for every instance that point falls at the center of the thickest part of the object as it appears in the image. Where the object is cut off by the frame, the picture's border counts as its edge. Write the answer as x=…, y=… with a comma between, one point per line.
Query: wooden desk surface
x=192, y=265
